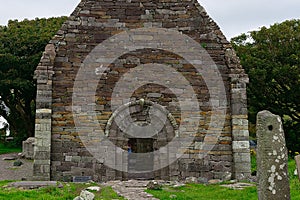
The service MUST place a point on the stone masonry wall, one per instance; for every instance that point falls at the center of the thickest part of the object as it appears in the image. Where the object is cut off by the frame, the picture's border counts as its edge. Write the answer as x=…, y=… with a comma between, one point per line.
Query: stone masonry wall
x=42, y=148
x=93, y=22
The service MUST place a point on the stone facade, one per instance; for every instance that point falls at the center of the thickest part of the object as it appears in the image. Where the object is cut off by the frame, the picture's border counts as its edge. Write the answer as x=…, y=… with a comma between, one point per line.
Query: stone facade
x=61, y=153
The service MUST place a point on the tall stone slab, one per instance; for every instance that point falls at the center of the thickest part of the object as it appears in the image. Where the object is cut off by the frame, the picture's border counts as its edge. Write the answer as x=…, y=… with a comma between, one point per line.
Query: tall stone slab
x=28, y=148
x=297, y=159
x=272, y=158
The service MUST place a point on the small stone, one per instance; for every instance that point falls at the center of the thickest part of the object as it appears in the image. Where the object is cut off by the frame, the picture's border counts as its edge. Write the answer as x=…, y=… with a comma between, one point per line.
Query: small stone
x=86, y=195
x=203, y=180
x=191, y=180
x=227, y=176
x=94, y=188
x=78, y=198
x=154, y=185
x=238, y=186
x=173, y=196
x=34, y=184
x=178, y=184
x=60, y=185
x=10, y=158
x=214, y=181
x=18, y=163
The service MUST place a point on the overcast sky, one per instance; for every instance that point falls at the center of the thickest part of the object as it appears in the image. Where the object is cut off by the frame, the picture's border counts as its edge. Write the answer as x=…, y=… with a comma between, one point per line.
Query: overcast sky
x=233, y=16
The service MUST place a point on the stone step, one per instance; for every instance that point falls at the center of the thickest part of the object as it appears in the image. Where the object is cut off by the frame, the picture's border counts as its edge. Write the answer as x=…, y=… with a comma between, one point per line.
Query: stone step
x=35, y=184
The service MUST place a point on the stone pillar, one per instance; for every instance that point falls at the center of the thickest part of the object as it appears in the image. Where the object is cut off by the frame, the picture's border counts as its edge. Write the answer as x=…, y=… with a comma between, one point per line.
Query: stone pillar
x=42, y=148
x=240, y=133
x=272, y=158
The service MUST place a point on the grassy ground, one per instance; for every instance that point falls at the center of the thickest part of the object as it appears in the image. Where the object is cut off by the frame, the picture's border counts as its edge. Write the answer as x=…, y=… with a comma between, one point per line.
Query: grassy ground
x=5, y=148
x=216, y=192
x=188, y=192
x=68, y=192
x=199, y=191
x=294, y=181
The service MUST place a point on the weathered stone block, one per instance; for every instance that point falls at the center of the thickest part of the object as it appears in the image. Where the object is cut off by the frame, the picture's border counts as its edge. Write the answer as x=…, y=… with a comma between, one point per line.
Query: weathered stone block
x=240, y=145
x=28, y=148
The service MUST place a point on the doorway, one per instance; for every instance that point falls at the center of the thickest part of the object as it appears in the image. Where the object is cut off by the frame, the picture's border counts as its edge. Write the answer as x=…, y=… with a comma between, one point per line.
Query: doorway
x=140, y=160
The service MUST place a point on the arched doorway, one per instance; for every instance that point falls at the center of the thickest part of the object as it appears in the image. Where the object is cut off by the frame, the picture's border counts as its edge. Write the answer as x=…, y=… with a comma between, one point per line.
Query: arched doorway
x=142, y=159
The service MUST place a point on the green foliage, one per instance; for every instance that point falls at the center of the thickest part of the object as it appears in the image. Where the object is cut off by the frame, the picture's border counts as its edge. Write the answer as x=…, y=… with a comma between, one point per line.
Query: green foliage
x=253, y=162
x=271, y=57
x=8, y=148
x=21, y=46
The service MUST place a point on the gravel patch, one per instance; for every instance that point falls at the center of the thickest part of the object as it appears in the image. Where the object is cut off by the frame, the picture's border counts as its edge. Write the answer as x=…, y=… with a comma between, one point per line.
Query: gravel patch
x=10, y=172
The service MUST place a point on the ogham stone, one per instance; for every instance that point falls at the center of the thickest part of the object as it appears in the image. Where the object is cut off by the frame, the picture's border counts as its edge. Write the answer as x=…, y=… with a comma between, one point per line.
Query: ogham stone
x=272, y=158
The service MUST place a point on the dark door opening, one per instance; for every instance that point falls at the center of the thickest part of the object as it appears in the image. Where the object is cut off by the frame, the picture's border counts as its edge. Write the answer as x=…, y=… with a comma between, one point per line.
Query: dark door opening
x=140, y=160
x=141, y=145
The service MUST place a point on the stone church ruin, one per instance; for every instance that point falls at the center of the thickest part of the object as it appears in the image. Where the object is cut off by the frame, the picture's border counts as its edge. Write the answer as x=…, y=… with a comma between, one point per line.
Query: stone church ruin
x=134, y=89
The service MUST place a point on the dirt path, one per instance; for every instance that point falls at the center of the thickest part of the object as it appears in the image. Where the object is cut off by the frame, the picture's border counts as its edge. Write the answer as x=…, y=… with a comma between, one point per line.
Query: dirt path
x=9, y=172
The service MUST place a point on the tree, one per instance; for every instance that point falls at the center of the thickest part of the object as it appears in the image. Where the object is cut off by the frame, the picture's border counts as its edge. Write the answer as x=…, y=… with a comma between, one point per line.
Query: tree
x=21, y=46
x=271, y=57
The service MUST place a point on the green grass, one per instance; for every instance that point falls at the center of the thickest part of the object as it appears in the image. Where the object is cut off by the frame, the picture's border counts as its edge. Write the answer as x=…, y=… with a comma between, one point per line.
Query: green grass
x=199, y=191
x=216, y=192
x=253, y=163
x=5, y=148
x=294, y=181
x=69, y=191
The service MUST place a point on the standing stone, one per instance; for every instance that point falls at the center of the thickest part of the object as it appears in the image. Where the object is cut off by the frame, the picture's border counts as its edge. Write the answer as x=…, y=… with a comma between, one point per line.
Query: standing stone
x=272, y=158
x=297, y=159
x=28, y=148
